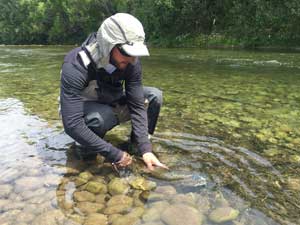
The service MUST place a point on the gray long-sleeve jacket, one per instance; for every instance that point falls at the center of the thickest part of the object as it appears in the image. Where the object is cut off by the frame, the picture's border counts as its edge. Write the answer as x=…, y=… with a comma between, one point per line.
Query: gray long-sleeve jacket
x=75, y=78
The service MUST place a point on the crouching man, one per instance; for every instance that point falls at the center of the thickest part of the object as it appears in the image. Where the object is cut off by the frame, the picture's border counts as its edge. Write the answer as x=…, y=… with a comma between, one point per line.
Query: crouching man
x=93, y=98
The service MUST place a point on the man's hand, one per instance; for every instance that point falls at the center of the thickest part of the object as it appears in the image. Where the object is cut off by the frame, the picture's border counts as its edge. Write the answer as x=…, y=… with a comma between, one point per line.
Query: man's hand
x=126, y=160
x=151, y=161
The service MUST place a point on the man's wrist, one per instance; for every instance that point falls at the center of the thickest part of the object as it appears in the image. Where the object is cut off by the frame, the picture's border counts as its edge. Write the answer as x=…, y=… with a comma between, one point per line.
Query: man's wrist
x=144, y=148
x=114, y=154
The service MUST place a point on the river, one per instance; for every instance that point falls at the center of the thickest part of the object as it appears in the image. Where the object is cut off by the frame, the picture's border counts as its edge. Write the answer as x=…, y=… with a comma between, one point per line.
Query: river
x=231, y=117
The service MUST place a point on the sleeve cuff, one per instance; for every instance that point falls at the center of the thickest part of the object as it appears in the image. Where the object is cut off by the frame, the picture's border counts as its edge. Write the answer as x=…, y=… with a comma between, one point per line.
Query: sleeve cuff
x=144, y=148
x=114, y=154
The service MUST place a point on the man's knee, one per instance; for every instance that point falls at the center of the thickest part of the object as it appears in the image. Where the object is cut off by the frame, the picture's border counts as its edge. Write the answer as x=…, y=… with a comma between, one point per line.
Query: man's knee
x=154, y=95
x=95, y=122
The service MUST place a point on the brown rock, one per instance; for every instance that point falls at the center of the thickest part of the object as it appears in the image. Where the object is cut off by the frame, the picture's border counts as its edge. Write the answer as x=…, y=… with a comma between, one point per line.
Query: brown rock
x=180, y=214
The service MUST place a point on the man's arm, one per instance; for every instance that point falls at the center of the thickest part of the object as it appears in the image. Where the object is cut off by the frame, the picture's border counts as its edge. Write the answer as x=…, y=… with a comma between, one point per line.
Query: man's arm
x=135, y=101
x=72, y=83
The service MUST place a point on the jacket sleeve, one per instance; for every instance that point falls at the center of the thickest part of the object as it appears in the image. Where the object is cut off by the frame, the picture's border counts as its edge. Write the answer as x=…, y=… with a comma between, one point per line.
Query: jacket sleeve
x=135, y=101
x=72, y=83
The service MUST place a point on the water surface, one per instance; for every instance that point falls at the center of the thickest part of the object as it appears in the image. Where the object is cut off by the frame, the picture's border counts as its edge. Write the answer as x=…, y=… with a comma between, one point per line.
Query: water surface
x=229, y=116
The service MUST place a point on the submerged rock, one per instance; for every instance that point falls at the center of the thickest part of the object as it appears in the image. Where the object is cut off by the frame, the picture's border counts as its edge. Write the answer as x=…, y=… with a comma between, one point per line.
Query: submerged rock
x=125, y=220
x=166, y=190
x=96, y=218
x=90, y=207
x=50, y=218
x=118, y=186
x=5, y=190
x=96, y=187
x=28, y=183
x=115, y=209
x=223, y=214
x=180, y=214
x=141, y=183
x=83, y=196
x=120, y=200
x=86, y=175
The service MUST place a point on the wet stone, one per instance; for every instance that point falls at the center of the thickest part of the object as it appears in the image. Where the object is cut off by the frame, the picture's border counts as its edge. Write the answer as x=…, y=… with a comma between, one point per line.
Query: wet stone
x=188, y=199
x=9, y=216
x=179, y=214
x=120, y=200
x=125, y=220
x=113, y=217
x=86, y=175
x=152, y=196
x=203, y=204
x=80, y=181
x=141, y=183
x=83, y=196
x=28, y=183
x=136, y=212
x=76, y=218
x=50, y=218
x=166, y=190
x=118, y=186
x=224, y=214
x=115, y=209
x=24, y=217
x=96, y=187
x=96, y=218
x=101, y=198
x=5, y=190
x=160, y=206
x=51, y=180
x=31, y=194
x=90, y=207
x=151, y=214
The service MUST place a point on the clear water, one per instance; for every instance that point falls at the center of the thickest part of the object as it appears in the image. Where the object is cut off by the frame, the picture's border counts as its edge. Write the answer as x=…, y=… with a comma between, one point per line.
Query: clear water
x=230, y=116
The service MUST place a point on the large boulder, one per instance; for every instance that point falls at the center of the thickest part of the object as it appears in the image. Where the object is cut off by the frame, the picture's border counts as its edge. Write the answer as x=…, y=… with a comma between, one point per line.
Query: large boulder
x=180, y=214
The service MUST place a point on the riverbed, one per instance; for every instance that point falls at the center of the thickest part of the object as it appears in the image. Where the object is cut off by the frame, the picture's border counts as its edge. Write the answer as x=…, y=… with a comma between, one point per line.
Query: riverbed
x=230, y=117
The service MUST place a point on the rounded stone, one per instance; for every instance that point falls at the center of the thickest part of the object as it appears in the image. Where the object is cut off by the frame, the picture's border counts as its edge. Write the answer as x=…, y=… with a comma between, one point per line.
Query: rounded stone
x=28, y=183
x=125, y=220
x=49, y=218
x=120, y=200
x=118, y=186
x=115, y=209
x=83, y=196
x=166, y=190
x=180, y=214
x=96, y=218
x=141, y=183
x=90, y=207
x=96, y=187
x=5, y=190
x=86, y=175
x=223, y=214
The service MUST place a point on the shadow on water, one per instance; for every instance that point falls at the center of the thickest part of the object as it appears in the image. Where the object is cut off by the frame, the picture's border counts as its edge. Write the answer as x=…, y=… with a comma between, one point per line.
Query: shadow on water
x=41, y=180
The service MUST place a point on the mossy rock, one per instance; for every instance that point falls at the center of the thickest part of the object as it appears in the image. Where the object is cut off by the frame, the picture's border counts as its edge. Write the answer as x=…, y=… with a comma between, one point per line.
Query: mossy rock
x=120, y=200
x=96, y=187
x=83, y=196
x=141, y=183
x=86, y=175
x=118, y=186
x=89, y=207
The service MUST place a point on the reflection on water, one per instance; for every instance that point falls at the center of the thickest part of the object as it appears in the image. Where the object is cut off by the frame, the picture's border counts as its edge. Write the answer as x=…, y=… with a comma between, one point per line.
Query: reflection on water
x=229, y=131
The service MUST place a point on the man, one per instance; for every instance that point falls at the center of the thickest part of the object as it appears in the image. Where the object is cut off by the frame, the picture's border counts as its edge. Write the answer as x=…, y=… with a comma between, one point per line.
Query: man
x=92, y=97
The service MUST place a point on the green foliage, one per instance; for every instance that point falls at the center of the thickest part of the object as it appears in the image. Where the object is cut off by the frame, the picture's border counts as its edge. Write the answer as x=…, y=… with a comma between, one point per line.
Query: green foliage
x=166, y=22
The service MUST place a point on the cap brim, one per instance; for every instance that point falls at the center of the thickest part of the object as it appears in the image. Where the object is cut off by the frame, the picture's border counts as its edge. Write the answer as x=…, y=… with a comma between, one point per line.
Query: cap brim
x=136, y=49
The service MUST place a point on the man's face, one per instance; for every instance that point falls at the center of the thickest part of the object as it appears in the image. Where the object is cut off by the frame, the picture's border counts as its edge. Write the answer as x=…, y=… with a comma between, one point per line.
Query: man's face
x=119, y=60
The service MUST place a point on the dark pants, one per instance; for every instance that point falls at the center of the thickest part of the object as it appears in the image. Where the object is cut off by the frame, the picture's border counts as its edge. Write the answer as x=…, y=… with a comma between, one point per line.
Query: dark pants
x=101, y=118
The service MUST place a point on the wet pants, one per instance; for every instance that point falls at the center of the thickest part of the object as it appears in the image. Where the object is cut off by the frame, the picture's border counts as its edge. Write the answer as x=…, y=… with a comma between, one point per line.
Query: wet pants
x=101, y=118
